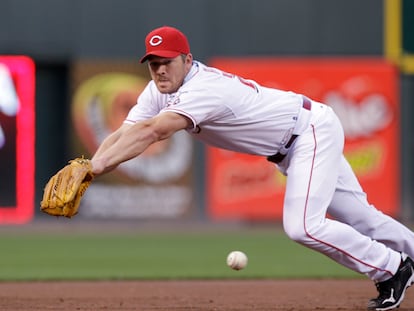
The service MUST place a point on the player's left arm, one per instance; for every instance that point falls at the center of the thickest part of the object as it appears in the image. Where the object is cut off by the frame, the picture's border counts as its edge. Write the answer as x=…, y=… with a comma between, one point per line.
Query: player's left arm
x=130, y=141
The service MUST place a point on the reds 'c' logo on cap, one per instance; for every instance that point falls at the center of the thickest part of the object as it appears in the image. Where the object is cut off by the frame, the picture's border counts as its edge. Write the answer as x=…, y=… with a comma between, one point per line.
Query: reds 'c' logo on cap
x=165, y=42
x=155, y=40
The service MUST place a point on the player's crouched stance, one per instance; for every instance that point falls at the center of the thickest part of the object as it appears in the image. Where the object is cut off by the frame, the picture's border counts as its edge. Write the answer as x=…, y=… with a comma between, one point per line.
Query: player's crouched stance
x=392, y=291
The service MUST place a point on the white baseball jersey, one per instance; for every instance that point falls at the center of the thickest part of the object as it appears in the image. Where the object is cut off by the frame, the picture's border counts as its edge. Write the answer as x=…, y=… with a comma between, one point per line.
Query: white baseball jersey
x=228, y=111
x=240, y=115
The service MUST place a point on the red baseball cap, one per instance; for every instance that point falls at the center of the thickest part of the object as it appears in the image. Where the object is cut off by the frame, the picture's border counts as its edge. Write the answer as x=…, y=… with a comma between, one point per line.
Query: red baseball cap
x=166, y=42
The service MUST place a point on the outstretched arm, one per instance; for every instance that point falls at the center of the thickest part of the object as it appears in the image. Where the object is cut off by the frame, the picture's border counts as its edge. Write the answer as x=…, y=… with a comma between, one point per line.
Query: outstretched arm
x=129, y=141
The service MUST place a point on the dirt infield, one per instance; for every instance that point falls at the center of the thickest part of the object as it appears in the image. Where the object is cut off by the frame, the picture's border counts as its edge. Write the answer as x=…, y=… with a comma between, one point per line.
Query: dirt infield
x=214, y=295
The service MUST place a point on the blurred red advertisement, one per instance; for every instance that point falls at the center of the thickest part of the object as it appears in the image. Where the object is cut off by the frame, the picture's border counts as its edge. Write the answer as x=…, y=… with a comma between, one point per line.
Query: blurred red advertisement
x=364, y=94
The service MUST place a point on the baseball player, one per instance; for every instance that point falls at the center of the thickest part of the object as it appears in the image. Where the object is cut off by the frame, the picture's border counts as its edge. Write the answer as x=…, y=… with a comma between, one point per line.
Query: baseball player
x=304, y=139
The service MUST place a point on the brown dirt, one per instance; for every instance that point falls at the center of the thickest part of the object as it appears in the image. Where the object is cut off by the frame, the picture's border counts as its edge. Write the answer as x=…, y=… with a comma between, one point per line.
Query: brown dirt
x=214, y=295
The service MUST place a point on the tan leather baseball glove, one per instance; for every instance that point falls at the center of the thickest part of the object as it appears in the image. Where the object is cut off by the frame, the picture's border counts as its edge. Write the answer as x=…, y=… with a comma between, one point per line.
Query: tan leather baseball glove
x=63, y=192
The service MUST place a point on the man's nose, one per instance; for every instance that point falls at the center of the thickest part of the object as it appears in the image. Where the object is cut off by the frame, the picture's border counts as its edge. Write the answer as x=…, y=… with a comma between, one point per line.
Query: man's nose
x=162, y=69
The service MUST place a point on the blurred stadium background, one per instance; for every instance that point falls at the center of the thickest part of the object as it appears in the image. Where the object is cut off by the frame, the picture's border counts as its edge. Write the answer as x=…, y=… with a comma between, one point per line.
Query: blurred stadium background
x=74, y=65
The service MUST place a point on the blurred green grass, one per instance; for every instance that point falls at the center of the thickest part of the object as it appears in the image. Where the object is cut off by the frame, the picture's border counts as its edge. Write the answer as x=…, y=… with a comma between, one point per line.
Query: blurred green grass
x=162, y=255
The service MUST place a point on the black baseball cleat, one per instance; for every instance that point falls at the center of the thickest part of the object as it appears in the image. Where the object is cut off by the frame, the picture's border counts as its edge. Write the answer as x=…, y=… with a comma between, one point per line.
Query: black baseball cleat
x=392, y=291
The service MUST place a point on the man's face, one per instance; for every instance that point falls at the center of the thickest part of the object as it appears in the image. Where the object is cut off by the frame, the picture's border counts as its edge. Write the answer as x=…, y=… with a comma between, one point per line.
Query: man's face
x=169, y=73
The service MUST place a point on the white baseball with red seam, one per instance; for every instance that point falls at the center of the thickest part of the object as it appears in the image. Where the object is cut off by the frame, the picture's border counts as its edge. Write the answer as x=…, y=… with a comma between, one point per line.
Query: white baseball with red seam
x=237, y=260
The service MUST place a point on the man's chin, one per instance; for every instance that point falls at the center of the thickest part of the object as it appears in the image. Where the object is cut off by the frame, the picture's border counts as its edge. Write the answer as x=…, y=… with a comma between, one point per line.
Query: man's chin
x=164, y=89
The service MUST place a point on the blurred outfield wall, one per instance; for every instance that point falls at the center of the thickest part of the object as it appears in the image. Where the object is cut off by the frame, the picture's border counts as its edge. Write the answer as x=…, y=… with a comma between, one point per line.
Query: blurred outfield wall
x=58, y=34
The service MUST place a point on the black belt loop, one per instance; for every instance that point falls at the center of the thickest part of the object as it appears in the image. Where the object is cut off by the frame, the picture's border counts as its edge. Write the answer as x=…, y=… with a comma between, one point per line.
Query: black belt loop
x=291, y=140
x=278, y=157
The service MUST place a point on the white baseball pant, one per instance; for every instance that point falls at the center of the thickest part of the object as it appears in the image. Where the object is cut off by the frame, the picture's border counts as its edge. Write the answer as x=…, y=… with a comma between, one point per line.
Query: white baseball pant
x=320, y=181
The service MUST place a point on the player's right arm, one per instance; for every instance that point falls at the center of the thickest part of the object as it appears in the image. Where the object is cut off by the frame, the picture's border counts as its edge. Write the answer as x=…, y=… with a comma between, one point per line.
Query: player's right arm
x=129, y=141
x=111, y=139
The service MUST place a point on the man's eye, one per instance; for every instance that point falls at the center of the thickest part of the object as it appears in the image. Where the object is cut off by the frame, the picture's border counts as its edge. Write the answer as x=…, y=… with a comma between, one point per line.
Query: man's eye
x=154, y=65
x=158, y=64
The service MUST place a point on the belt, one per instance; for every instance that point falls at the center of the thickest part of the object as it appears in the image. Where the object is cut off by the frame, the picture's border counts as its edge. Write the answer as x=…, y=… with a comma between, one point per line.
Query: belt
x=278, y=157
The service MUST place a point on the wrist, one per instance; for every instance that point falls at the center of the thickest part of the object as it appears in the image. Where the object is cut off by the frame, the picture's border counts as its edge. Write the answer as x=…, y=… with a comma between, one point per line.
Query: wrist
x=97, y=166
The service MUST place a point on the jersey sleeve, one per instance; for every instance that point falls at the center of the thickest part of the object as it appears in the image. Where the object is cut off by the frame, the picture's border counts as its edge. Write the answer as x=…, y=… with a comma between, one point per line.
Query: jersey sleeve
x=149, y=103
x=197, y=105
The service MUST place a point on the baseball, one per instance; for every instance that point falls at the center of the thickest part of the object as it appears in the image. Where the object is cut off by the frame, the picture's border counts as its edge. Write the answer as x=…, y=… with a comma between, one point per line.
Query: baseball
x=237, y=260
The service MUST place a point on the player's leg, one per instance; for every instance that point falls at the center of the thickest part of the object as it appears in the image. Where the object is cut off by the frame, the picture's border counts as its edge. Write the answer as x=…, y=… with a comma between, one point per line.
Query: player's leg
x=312, y=177
x=350, y=205
x=316, y=170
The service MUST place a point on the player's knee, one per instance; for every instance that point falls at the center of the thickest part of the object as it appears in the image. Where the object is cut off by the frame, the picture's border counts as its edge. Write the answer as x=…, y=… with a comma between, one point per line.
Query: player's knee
x=303, y=234
x=295, y=231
